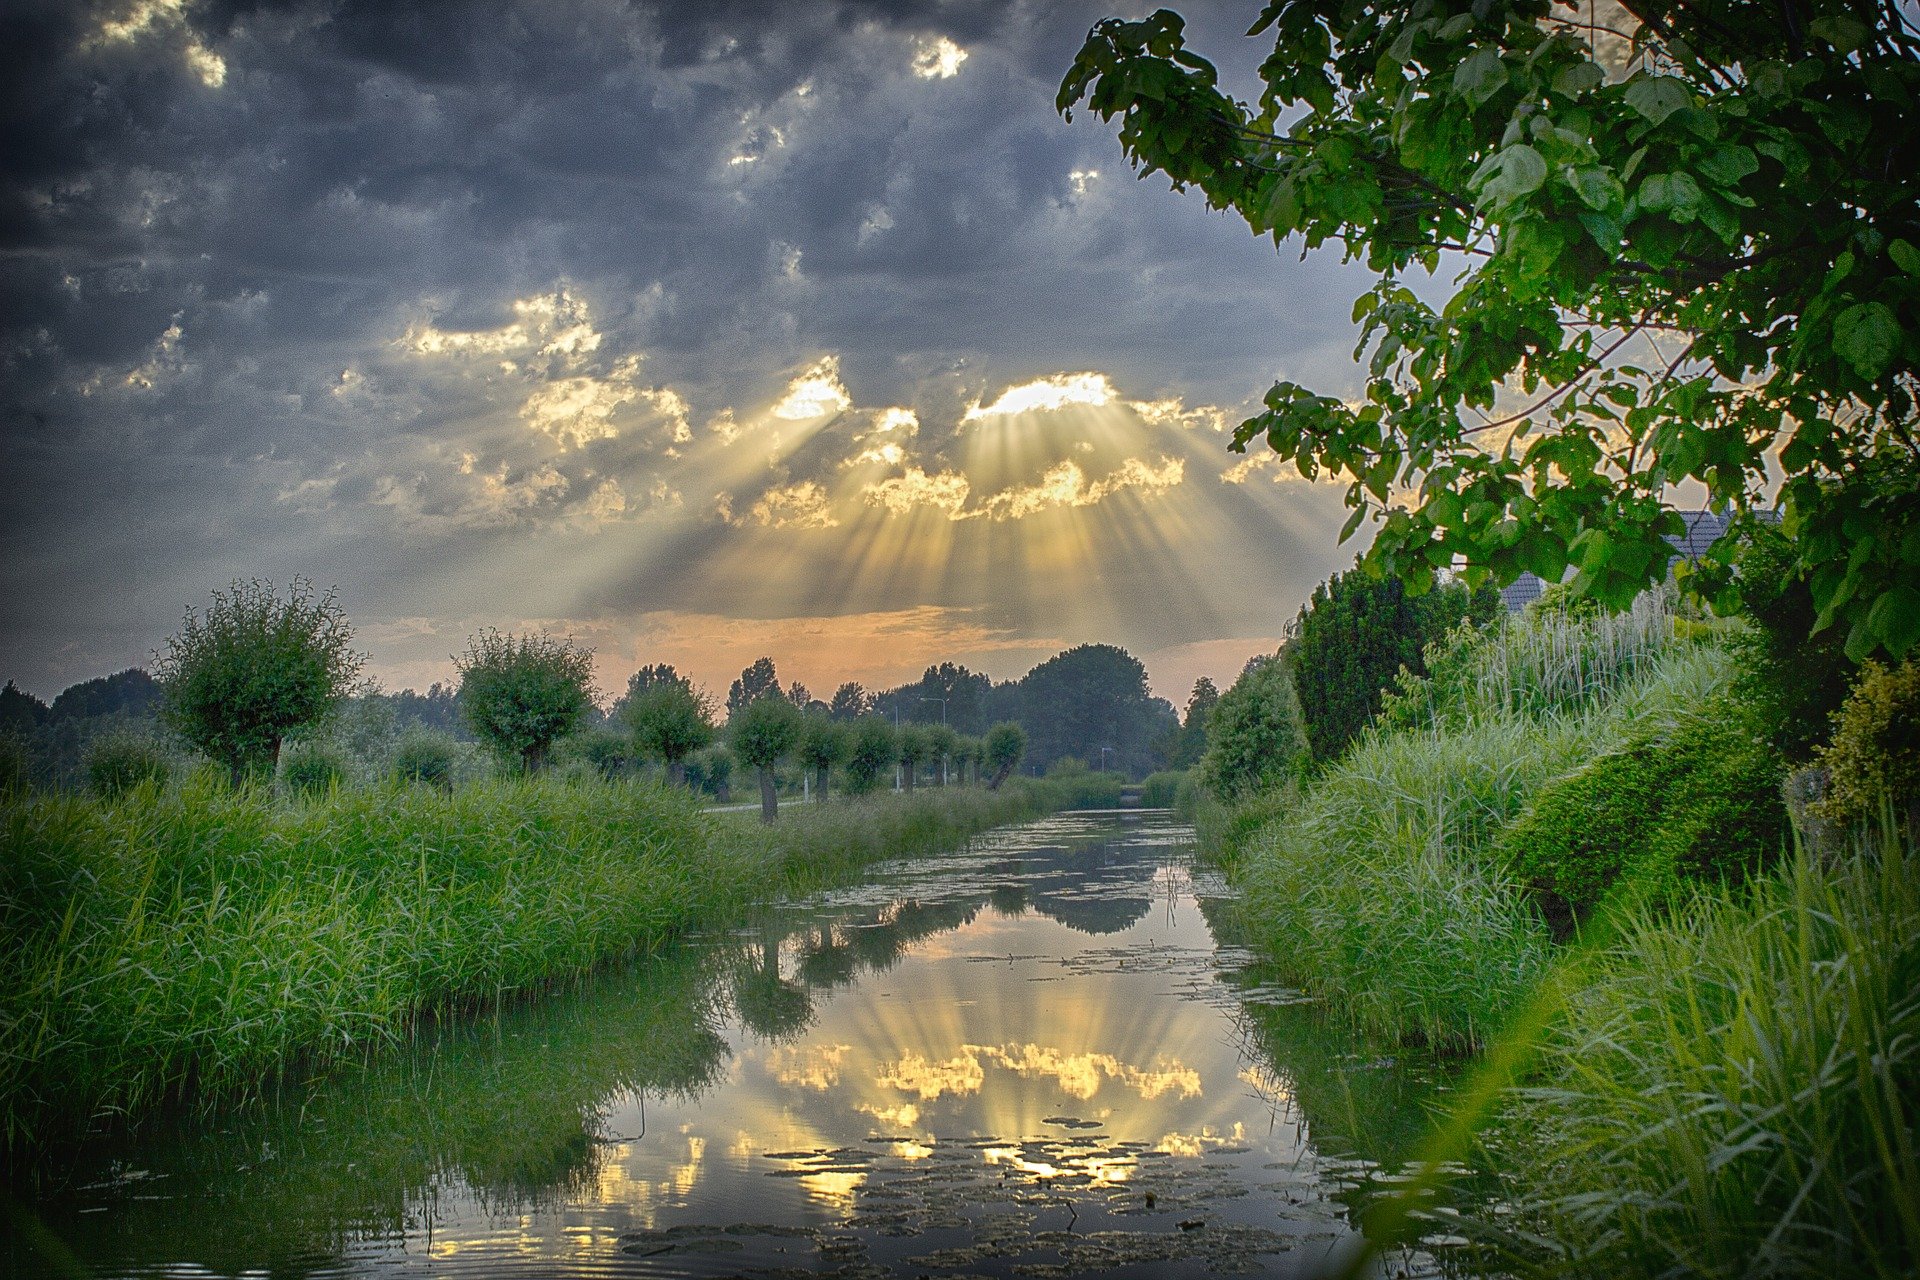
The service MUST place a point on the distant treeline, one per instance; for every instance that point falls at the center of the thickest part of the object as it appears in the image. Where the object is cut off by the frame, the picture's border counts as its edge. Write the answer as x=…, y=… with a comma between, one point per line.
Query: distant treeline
x=1089, y=703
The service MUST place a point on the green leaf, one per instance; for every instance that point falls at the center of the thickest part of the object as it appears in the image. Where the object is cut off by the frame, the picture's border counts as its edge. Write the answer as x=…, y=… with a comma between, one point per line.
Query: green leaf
x=1866, y=335
x=1598, y=188
x=1571, y=82
x=1657, y=97
x=1481, y=76
x=1508, y=174
x=1895, y=618
x=1728, y=165
x=1843, y=32
x=1905, y=256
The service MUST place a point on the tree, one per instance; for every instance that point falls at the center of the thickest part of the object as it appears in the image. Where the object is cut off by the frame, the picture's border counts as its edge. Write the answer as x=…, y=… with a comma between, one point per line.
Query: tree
x=870, y=753
x=799, y=695
x=850, y=702
x=131, y=693
x=1090, y=697
x=652, y=676
x=521, y=693
x=671, y=720
x=911, y=747
x=238, y=680
x=1192, y=741
x=756, y=680
x=1352, y=638
x=942, y=745
x=1255, y=737
x=824, y=743
x=1006, y=743
x=763, y=734
x=1690, y=254
x=20, y=712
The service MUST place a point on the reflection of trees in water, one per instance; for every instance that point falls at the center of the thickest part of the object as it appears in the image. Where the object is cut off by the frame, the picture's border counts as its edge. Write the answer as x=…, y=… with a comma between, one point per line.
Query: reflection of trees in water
x=509, y=1103
x=768, y=1004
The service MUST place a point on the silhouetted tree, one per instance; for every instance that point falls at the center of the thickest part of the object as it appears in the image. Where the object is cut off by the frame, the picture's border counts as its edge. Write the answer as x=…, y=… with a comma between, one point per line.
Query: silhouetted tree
x=758, y=679
x=850, y=702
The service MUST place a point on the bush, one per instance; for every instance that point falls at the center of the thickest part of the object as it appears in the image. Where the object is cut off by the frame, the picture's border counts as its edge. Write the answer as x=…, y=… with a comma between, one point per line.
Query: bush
x=607, y=752
x=117, y=762
x=1797, y=677
x=1255, y=739
x=711, y=771
x=1696, y=801
x=424, y=755
x=1160, y=789
x=15, y=765
x=313, y=768
x=238, y=681
x=1352, y=639
x=1874, y=758
x=520, y=693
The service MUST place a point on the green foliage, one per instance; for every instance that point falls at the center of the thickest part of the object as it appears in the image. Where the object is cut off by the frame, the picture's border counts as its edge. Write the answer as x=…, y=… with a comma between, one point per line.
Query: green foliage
x=1191, y=741
x=1256, y=740
x=1006, y=744
x=607, y=752
x=756, y=682
x=1741, y=178
x=20, y=712
x=912, y=746
x=424, y=755
x=1874, y=758
x=763, y=733
x=942, y=744
x=1698, y=800
x=1796, y=678
x=1089, y=697
x=850, y=701
x=1353, y=637
x=1160, y=789
x=711, y=771
x=119, y=761
x=824, y=743
x=241, y=678
x=521, y=693
x=670, y=720
x=1729, y=1090
x=313, y=768
x=870, y=753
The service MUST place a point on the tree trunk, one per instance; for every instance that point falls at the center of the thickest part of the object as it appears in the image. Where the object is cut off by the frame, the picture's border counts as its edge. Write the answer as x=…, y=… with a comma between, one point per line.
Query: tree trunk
x=677, y=773
x=824, y=770
x=909, y=769
x=769, y=802
x=533, y=759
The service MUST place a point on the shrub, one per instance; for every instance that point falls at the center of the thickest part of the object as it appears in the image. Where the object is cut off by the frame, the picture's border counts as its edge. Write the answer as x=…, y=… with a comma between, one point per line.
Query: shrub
x=711, y=771
x=313, y=768
x=239, y=680
x=1796, y=676
x=606, y=751
x=1160, y=789
x=117, y=762
x=870, y=753
x=1874, y=757
x=1255, y=740
x=424, y=755
x=520, y=693
x=1697, y=800
x=1353, y=637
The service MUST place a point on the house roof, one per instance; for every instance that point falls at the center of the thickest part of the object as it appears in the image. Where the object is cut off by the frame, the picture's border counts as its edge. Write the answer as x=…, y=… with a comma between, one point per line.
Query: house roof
x=1703, y=529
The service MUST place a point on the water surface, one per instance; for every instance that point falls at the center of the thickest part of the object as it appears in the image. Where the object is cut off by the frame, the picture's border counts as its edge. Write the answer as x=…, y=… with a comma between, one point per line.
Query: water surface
x=1033, y=1057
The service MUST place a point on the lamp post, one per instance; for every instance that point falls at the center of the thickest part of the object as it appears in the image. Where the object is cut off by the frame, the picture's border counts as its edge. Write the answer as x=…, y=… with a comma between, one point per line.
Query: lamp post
x=1103, y=758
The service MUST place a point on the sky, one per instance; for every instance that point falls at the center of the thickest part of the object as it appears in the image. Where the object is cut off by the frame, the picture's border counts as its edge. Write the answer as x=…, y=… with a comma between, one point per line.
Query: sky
x=694, y=331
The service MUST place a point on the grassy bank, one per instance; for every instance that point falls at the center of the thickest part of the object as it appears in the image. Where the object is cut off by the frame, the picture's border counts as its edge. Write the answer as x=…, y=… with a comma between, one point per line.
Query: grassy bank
x=196, y=941
x=1565, y=845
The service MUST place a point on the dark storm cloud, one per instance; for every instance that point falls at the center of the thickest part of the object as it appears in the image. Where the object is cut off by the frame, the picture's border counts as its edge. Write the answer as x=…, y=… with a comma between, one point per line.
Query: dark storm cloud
x=221, y=225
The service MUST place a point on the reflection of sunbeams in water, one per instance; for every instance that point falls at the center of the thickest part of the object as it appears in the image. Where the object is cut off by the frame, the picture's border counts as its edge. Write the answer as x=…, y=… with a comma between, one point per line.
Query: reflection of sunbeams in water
x=949, y=1087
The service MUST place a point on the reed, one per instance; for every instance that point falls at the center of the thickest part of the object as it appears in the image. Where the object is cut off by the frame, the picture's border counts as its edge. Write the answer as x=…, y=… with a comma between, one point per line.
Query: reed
x=196, y=941
x=1731, y=1088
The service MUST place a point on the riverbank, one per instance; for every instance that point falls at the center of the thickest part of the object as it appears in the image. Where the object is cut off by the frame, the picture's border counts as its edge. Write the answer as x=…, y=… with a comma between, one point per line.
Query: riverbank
x=1563, y=855
x=197, y=941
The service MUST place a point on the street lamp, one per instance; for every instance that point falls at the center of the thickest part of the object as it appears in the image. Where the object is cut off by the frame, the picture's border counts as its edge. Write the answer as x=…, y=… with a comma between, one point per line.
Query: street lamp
x=1103, y=758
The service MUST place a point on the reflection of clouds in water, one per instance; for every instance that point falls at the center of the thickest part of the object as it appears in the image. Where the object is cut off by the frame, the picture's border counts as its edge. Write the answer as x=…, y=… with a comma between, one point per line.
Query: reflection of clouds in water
x=1198, y=1144
x=1079, y=1075
x=807, y=1066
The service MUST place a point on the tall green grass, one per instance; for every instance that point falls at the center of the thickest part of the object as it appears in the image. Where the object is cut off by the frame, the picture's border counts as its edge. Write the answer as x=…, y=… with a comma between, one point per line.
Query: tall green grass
x=1733, y=1088
x=1374, y=886
x=197, y=940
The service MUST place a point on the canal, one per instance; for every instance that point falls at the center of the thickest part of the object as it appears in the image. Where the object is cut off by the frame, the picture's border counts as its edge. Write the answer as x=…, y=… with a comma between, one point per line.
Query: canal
x=1039, y=1056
